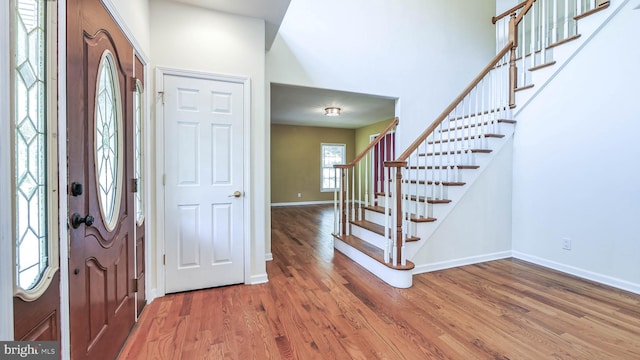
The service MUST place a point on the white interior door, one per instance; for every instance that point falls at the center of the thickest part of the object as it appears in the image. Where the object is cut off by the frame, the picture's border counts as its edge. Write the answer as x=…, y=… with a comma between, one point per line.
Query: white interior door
x=204, y=196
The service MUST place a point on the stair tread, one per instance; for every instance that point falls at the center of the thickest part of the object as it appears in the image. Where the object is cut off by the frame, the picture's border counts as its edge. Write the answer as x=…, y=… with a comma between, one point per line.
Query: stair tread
x=428, y=200
x=421, y=219
x=377, y=228
x=542, y=66
x=564, y=41
x=369, y=225
x=499, y=136
x=371, y=251
x=422, y=199
x=463, y=167
x=413, y=218
x=524, y=87
x=444, y=183
x=483, y=151
x=503, y=121
x=592, y=11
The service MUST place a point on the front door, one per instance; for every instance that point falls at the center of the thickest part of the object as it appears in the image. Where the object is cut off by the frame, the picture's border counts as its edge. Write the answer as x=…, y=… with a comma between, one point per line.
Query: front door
x=100, y=88
x=204, y=196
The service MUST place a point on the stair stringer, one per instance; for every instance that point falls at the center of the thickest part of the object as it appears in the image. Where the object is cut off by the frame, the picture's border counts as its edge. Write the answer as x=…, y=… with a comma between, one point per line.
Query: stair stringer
x=477, y=228
x=588, y=28
x=441, y=211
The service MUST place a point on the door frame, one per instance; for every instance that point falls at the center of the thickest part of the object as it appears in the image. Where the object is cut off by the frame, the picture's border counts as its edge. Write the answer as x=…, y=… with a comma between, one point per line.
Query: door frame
x=160, y=242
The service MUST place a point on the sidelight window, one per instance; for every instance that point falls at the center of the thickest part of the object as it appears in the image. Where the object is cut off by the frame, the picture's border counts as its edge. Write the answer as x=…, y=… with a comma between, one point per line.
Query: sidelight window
x=34, y=151
x=138, y=152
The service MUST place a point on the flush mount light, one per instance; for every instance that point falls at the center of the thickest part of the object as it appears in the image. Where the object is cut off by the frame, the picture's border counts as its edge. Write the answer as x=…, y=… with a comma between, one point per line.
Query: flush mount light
x=332, y=111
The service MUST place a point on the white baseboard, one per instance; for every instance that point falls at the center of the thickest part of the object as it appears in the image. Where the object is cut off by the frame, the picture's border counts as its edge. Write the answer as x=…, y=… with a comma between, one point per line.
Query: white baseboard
x=419, y=269
x=585, y=274
x=152, y=295
x=258, y=279
x=300, y=203
x=268, y=256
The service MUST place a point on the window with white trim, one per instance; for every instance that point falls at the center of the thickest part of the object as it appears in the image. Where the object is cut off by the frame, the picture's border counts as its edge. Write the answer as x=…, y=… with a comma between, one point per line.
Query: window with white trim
x=331, y=154
x=34, y=153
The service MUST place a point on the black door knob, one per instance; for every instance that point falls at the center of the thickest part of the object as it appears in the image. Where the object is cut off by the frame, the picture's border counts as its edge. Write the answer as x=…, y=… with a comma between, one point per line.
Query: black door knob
x=77, y=220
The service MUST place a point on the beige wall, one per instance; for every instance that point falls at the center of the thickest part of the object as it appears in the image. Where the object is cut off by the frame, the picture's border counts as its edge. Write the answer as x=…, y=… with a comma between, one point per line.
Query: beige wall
x=295, y=160
x=363, y=134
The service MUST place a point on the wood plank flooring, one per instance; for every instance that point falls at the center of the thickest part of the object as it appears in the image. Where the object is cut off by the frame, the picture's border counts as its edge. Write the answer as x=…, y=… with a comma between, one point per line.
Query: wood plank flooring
x=320, y=305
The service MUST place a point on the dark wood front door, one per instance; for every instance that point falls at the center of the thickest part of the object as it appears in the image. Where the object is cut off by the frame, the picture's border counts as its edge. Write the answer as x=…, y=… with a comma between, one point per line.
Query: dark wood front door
x=100, y=85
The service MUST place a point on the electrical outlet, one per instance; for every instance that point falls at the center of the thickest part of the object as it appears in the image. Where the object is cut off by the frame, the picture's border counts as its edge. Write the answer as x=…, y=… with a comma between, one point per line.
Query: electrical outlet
x=566, y=243
x=299, y=194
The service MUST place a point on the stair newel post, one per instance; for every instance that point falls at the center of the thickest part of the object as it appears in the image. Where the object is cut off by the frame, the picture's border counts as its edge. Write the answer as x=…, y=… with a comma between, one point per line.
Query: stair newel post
x=343, y=196
x=397, y=212
x=513, y=70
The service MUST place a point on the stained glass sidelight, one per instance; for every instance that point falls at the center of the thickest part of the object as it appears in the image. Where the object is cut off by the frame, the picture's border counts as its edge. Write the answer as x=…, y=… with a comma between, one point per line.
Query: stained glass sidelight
x=107, y=140
x=30, y=142
x=138, y=154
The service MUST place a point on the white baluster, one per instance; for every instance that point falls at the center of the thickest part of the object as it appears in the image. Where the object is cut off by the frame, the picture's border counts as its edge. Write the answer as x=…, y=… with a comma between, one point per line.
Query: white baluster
x=566, y=19
x=554, y=19
x=336, y=215
x=387, y=220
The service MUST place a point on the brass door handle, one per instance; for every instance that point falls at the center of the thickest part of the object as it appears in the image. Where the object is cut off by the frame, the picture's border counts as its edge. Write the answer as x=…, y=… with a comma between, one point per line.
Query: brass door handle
x=236, y=194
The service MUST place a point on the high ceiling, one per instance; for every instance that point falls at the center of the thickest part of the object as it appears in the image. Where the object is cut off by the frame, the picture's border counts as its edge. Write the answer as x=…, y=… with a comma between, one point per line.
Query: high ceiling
x=300, y=105
x=272, y=11
x=295, y=105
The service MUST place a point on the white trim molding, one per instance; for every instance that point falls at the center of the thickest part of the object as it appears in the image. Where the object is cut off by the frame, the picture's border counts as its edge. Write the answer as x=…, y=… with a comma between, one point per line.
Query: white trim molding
x=160, y=72
x=585, y=274
x=6, y=240
x=442, y=265
x=268, y=256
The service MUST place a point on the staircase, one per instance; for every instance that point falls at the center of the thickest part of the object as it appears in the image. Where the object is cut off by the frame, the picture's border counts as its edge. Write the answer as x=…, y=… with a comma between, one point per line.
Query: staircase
x=384, y=227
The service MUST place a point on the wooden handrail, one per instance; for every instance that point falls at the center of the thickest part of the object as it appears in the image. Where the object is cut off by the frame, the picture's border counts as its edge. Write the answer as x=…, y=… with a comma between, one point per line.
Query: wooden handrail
x=405, y=155
x=524, y=11
x=508, y=12
x=364, y=152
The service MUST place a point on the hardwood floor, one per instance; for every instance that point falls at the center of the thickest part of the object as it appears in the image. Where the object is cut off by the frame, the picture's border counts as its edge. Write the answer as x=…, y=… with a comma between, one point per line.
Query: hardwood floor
x=320, y=305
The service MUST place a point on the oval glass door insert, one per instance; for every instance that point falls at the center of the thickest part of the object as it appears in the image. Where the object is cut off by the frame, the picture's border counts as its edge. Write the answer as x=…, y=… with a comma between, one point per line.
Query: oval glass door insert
x=108, y=140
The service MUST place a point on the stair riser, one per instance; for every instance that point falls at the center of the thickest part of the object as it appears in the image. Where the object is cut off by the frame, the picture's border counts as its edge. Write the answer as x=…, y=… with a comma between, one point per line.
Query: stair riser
x=451, y=175
x=474, y=143
x=466, y=158
x=368, y=236
x=470, y=127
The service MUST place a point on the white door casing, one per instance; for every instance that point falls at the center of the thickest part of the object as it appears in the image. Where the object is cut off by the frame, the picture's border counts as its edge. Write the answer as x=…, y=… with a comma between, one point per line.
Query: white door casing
x=204, y=183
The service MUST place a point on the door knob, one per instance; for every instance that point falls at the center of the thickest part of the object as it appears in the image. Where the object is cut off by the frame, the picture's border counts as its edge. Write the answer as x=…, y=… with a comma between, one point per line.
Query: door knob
x=77, y=220
x=236, y=194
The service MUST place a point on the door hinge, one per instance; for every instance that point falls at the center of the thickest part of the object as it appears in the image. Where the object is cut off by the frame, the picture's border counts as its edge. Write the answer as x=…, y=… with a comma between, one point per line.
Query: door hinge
x=134, y=185
x=135, y=285
x=161, y=94
x=164, y=179
x=164, y=259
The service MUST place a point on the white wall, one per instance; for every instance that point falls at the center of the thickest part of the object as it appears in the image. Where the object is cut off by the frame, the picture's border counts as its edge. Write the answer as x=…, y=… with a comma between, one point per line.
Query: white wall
x=577, y=162
x=191, y=38
x=134, y=16
x=479, y=227
x=422, y=52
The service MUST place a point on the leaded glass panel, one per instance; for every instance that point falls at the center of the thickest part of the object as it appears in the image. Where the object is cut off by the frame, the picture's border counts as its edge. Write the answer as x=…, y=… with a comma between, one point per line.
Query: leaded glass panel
x=30, y=142
x=107, y=140
x=139, y=195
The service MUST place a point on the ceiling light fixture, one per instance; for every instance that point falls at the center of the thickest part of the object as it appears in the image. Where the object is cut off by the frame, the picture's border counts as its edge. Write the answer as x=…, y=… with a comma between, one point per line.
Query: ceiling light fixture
x=332, y=111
